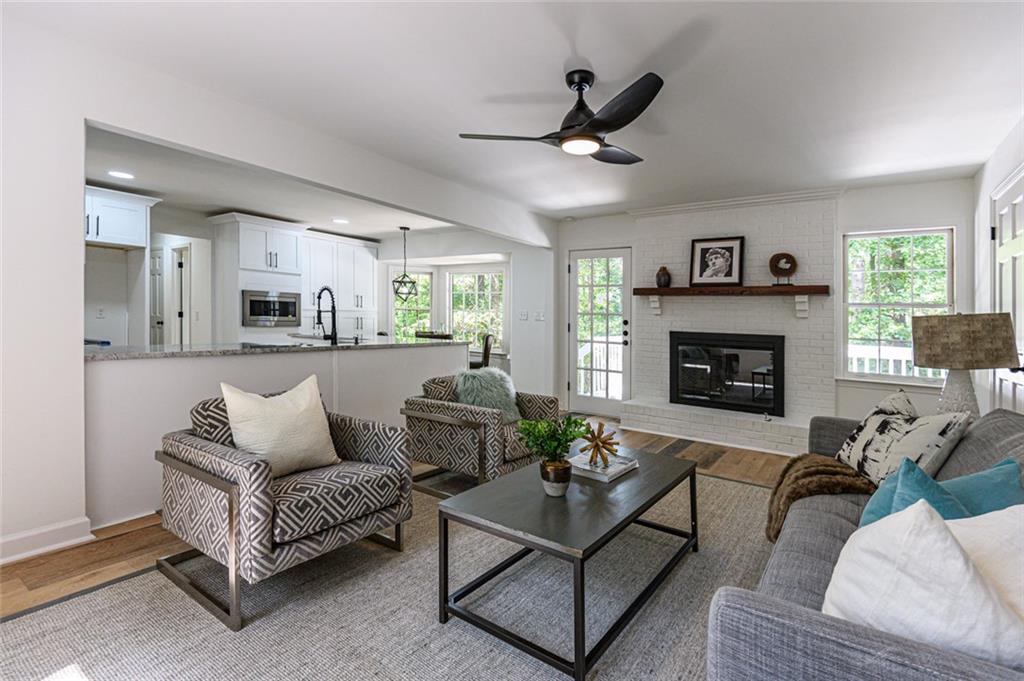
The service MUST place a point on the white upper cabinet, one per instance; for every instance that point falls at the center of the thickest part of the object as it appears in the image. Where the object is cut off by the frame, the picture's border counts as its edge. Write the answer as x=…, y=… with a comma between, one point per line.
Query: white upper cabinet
x=284, y=245
x=265, y=248
x=319, y=268
x=254, y=248
x=117, y=218
x=357, y=268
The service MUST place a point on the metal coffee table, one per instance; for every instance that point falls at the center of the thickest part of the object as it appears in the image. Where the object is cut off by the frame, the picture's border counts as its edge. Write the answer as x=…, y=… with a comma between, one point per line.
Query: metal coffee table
x=573, y=528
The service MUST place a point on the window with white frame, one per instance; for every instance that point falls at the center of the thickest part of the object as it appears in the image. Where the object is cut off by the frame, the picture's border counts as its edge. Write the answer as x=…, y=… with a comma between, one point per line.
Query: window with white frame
x=410, y=316
x=890, y=278
x=477, y=305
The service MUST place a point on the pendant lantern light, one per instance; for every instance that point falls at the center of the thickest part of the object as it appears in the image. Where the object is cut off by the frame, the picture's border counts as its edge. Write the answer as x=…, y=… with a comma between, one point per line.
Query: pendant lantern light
x=404, y=286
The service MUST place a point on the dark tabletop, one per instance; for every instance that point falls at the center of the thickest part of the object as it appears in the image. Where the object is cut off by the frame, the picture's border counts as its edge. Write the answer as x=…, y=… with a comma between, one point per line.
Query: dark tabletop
x=590, y=513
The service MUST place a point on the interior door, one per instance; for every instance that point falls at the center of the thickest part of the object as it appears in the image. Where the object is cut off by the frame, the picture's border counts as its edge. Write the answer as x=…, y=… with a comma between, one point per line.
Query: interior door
x=599, y=353
x=156, y=296
x=1008, y=214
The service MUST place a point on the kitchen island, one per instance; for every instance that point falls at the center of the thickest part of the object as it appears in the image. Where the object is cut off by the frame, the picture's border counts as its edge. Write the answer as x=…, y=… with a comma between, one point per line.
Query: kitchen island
x=133, y=395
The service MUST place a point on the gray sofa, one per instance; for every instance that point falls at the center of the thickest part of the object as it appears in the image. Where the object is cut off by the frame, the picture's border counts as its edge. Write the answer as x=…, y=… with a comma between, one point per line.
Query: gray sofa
x=779, y=632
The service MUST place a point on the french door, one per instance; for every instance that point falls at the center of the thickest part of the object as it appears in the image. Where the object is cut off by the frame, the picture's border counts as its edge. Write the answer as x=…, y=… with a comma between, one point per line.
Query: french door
x=599, y=308
x=1008, y=220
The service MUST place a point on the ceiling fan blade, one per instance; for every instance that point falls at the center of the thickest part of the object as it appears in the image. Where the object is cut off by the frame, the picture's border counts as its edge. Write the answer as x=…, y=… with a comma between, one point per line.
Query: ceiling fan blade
x=612, y=154
x=550, y=138
x=624, y=107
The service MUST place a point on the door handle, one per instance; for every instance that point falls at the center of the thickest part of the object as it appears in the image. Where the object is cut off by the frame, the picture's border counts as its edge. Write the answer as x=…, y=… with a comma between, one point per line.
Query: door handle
x=97, y=225
x=625, y=342
x=87, y=224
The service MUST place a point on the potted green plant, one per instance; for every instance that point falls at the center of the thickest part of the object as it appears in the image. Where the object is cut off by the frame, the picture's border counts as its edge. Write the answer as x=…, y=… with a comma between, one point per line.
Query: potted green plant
x=551, y=441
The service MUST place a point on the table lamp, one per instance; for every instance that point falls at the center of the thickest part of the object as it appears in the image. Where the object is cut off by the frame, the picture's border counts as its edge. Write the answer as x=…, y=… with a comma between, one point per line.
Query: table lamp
x=960, y=343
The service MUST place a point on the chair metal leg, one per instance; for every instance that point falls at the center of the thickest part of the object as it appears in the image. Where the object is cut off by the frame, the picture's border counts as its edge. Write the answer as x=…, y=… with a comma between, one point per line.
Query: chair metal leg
x=230, y=614
x=387, y=541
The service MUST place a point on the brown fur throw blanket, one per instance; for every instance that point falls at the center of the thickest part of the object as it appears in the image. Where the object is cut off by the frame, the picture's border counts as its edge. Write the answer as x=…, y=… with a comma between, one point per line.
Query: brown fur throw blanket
x=805, y=476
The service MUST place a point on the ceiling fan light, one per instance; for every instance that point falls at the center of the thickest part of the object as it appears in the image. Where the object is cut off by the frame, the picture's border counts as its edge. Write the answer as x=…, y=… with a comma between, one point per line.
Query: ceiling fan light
x=580, y=145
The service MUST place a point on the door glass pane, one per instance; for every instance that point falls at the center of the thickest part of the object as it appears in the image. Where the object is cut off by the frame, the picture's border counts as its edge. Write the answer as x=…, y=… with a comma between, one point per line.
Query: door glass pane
x=600, y=270
x=614, y=386
x=615, y=300
x=615, y=328
x=615, y=357
x=600, y=380
x=583, y=382
x=583, y=327
x=614, y=270
x=583, y=269
x=583, y=300
x=583, y=355
x=600, y=300
x=600, y=356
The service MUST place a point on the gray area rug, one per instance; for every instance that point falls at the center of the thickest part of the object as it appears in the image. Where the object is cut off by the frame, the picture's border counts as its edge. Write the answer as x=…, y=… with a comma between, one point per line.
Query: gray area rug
x=365, y=612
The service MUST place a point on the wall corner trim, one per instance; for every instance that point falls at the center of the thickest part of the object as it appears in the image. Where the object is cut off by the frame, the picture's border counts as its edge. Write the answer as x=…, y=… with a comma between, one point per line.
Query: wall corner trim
x=38, y=540
x=740, y=202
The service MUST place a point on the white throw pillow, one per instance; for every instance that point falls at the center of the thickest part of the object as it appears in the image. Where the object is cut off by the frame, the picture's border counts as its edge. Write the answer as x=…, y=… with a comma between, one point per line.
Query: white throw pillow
x=908, y=575
x=995, y=543
x=894, y=431
x=289, y=430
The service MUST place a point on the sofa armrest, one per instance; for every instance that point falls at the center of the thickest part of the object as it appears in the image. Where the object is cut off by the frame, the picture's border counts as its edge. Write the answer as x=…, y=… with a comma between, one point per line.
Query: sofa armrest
x=753, y=636
x=184, y=495
x=828, y=433
x=537, y=407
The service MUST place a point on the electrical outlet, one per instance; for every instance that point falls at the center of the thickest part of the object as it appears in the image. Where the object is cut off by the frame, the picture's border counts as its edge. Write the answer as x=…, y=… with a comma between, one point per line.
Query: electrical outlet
x=101, y=313
x=524, y=315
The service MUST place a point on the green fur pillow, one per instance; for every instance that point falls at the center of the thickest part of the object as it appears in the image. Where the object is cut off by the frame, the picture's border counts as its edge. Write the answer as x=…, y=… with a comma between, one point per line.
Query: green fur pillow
x=488, y=387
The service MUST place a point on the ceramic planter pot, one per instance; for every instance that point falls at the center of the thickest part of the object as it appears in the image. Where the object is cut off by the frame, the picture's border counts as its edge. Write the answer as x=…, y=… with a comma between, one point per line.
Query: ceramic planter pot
x=555, y=476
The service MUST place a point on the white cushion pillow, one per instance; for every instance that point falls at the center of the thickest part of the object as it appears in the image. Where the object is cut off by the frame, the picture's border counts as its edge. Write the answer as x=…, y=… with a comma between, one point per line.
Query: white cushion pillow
x=995, y=543
x=908, y=575
x=289, y=430
x=894, y=431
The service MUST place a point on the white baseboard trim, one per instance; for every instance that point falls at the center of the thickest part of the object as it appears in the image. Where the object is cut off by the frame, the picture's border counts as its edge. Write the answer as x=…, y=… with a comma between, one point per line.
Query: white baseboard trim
x=641, y=429
x=43, y=539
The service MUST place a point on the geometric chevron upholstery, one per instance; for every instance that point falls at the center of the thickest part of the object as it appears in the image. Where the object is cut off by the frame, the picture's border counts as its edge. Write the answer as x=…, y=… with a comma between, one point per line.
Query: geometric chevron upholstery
x=456, y=447
x=285, y=521
x=313, y=500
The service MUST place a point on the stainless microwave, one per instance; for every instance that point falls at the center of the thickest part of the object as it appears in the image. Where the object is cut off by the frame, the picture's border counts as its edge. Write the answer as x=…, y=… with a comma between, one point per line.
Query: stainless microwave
x=271, y=308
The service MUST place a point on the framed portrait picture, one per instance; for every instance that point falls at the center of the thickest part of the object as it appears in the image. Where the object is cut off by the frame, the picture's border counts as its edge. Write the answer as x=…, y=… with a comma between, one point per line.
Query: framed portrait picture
x=716, y=262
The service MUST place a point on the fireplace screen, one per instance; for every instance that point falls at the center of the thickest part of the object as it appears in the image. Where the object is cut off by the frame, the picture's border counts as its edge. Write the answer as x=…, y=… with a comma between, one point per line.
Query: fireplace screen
x=741, y=372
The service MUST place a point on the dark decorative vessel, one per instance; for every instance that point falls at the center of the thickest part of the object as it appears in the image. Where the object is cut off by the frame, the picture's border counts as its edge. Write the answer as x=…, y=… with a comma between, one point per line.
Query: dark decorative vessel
x=555, y=476
x=663, y=279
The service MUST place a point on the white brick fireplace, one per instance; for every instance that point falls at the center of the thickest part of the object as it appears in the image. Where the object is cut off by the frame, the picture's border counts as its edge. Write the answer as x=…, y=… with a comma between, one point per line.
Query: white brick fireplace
x=806, y=228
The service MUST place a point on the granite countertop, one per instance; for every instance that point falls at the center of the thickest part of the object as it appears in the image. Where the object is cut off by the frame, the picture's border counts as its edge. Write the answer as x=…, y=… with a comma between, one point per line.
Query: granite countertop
x=95, y=353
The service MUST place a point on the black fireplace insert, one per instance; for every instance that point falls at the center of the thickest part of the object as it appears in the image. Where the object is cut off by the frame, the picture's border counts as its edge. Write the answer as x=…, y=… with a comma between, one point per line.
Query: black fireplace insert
x=736, y=371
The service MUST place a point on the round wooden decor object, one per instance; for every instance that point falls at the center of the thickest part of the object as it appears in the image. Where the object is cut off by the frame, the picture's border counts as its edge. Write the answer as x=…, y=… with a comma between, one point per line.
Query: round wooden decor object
x=782, y=265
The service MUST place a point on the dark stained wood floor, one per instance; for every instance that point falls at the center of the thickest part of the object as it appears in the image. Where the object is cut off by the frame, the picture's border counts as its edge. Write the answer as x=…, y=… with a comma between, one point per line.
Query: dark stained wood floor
x=126, y=548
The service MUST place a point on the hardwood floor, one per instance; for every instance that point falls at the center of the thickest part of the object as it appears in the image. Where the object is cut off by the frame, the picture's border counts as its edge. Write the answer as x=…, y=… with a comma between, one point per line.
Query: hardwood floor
x=123, y=549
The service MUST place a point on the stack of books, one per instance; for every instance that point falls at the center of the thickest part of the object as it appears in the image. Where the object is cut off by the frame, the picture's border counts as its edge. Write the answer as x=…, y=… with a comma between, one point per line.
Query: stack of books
x=617, y=466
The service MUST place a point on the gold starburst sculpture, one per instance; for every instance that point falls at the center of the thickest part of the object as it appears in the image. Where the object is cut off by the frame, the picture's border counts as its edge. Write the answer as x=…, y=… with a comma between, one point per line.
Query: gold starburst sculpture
x=600, y=444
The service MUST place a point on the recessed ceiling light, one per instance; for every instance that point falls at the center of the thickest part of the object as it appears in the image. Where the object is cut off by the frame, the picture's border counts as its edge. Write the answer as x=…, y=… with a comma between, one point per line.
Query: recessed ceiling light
x=340, y=221
x=120, y=174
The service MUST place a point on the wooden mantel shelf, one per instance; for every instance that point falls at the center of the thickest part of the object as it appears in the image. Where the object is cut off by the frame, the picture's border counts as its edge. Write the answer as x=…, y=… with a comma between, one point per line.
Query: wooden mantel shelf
x=800, y=292
x=791, y=290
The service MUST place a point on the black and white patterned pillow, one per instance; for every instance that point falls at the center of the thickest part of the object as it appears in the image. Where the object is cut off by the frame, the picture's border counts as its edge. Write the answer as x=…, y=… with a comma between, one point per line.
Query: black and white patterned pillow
x=893, y=430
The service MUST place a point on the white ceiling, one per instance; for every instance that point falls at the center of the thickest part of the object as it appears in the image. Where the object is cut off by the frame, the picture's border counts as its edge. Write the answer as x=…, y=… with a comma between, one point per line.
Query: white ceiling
x=210, y=186
x=758, y=98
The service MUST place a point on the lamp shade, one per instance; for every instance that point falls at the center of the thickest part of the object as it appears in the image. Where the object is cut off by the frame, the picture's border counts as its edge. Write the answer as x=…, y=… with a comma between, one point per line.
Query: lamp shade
x=965, y=341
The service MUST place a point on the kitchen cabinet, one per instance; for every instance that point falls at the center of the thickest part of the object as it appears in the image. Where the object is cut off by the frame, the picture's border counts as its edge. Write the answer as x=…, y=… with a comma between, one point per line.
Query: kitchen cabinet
x=319, y=268
x=267, y=249
x=353, y=323
x=357, y=269
x=114, y=218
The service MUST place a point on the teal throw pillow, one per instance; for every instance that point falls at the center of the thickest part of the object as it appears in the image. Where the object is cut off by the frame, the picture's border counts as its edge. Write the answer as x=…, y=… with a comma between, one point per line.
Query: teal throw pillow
x=488, y=387
x=914, y=484
x=983, y=492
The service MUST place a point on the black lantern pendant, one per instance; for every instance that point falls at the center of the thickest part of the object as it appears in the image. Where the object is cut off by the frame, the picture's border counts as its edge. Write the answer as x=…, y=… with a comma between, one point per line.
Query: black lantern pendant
x=404, y=286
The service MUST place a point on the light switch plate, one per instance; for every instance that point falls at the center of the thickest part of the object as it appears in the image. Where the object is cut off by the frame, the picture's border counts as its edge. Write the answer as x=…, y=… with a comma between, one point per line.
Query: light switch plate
x=538, y=316
x=101, y=313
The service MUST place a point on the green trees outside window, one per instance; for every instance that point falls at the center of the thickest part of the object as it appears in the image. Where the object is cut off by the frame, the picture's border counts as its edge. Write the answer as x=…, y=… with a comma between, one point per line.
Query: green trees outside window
x=478, y=307
x=414, y=314
x=890, y=279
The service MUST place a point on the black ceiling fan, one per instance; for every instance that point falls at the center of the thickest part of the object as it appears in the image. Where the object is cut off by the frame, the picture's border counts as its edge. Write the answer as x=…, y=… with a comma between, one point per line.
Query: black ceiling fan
x=583, y=132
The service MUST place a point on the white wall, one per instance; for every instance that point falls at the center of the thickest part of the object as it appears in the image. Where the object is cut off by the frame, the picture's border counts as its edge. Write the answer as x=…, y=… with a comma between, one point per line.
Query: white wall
x=169, y=219
x=106, y=294
x=1006, y=159
x=532, y=271
x=51, y=88
x=948, y=203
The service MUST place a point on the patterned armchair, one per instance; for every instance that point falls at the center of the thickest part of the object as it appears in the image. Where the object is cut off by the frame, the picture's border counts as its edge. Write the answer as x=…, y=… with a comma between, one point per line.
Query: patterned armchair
x=468, y=439
x=224, y=502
